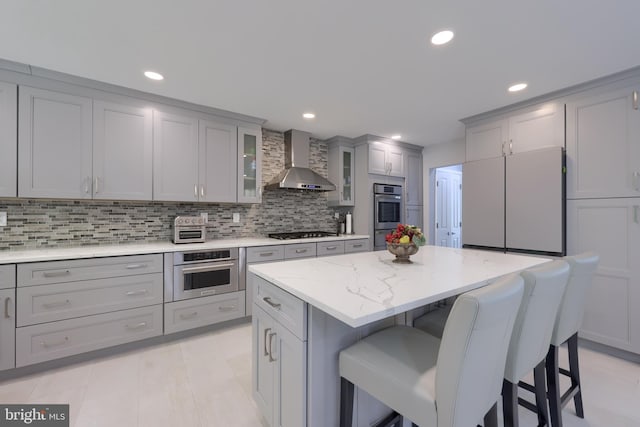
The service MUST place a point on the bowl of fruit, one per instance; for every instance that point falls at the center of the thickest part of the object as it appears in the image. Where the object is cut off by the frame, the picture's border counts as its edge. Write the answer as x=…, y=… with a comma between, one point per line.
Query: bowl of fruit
x=404, y=241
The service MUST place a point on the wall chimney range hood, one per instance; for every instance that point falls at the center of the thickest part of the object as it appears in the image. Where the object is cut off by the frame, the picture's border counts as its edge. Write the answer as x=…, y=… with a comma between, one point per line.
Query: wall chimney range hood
x=296, y=174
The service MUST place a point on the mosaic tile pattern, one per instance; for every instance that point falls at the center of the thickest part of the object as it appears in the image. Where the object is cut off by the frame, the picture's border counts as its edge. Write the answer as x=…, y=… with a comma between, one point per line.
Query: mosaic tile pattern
x=39, y=223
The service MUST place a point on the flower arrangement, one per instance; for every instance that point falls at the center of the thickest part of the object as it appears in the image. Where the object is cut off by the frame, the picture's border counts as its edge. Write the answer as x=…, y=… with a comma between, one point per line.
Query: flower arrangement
x=405, y=233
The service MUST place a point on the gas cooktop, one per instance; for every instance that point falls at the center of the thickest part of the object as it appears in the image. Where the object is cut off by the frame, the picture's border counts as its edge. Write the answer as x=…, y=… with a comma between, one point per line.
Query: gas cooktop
x=301, y=235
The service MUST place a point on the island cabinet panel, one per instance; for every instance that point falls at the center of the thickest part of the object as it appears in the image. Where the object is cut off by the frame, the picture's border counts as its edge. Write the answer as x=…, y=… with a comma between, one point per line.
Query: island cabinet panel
x=7, y=276
x=196, y=312
x=8, y=139
x=39, y=343
x=257, y=255
x=54, y=144
x=286, y=309
x=7, y=329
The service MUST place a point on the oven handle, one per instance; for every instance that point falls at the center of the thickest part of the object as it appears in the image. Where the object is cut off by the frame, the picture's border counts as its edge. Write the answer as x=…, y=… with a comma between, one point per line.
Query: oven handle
x=203, y=269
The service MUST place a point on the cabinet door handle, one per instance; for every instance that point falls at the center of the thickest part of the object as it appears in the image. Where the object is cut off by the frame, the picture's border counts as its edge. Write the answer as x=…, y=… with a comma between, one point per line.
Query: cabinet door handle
x=87, y=182
x=266, y=332
x=139, y=292
x=511, y=146
x=271, y=303
x=56, y=273
x=195, y=191
x=97, y=181
x=136, y=326
x=135, y=266
x=202, y=191
x=7, y=303
x=55, y=344
x=635, y=214
x=226, y=308
x=189, y=316
x=271, y=358
x=636, y=181
x=56, y=304
x=635, y=99
x=503, y=144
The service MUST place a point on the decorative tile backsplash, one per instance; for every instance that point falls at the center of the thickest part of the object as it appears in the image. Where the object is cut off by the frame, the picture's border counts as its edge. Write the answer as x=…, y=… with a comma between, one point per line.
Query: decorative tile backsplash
x=39, y=223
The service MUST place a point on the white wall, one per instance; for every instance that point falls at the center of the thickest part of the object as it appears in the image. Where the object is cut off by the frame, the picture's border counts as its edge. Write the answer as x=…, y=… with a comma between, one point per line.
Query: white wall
x=434, y=156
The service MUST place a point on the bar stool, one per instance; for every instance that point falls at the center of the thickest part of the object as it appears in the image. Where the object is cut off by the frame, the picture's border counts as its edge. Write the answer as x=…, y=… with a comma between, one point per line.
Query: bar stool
x=544, y=287
x=583, y=268
x=450, y=382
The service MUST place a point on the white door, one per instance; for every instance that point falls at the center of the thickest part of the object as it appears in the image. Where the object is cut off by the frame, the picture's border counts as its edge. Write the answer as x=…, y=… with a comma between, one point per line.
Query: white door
x=54, y=144
x=122, y=151
x=218, y=166
x=8, y=139
x=448, y=208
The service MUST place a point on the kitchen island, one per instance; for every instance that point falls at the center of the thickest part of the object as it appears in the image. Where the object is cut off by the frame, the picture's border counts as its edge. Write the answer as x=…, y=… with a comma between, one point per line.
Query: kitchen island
x=306, y=311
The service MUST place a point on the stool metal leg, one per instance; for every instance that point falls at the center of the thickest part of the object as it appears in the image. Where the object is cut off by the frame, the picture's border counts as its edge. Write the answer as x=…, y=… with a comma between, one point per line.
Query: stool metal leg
x=553, y=384
x=541, y=394
x=346, y=402
x=574, y=370
x=510, y=403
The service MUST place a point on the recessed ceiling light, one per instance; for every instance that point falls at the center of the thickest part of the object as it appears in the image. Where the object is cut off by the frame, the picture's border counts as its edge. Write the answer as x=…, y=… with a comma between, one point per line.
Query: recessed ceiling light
x=442, y=37
x=396, y=137
x=517, y=87
x=309, y=115
x=153, y=75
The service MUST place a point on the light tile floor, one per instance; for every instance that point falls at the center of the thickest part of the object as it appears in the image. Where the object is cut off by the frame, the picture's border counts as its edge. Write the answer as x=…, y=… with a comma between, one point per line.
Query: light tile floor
x=205, y=380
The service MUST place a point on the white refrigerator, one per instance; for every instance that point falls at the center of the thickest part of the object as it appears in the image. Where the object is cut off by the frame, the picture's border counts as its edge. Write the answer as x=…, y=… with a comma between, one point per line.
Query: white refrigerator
x=515, y=203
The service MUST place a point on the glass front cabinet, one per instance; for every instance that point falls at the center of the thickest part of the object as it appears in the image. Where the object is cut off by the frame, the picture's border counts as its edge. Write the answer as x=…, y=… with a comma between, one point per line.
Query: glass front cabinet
x=341, y=171
x=249, y=165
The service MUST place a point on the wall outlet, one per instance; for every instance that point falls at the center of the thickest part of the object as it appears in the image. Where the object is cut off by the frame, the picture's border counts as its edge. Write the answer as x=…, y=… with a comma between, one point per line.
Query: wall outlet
x=336, y=215
x=3, y=219
x=205, y=216
x=236, y=217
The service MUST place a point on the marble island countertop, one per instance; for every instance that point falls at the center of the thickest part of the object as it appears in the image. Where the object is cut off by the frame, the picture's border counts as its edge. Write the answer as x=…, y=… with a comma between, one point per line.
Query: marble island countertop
x=77, y=252
x=361, y=288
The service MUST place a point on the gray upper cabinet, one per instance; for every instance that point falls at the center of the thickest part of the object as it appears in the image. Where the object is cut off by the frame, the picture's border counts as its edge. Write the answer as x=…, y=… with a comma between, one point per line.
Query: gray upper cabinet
x=122, y=147
x=8, y=139
x=54, y=144
x=603, y=151
x=217, y=169
x=486, y=140
x=386, y=159
x=413, y=183
x=341, y=166
x=175, y=157
x=249, y=165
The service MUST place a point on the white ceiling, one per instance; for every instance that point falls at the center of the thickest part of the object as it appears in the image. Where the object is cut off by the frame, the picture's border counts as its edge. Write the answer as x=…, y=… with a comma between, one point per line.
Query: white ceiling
x=363, y=66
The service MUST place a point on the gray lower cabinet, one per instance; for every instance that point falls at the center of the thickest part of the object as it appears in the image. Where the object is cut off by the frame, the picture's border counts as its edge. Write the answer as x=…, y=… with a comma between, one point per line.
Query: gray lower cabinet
x=279, y=359
x=39, y=343
x=54, y=144
x=257, y=255
x=300, y=250
x=330, y=248
x=357, y=245
x=196, y=312
x=8, y=139
x=7, y=329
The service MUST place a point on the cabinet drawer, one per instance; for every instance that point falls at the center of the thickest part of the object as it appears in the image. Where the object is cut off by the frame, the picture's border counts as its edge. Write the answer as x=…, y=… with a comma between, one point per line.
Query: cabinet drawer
x=300, y=250
x=39, y=343
x=59, y=301
x=192, y=313
x=359, y=245
x=41, y=273
x=330, y=248
x=7, y=276
x=265, y=253
x=285, y=308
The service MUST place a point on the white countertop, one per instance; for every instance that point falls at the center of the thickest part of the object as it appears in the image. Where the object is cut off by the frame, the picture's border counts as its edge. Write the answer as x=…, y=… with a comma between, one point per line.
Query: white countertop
x=56, y=254
x=361, y=288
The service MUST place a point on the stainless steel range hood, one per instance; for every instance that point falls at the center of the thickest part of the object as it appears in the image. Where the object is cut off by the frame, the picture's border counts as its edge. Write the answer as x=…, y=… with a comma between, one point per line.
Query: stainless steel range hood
x=296, y=174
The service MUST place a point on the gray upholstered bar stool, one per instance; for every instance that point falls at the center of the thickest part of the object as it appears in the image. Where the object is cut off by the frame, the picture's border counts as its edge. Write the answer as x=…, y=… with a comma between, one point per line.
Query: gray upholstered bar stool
x=544, y=287
x=450, y=382
x=583, y=268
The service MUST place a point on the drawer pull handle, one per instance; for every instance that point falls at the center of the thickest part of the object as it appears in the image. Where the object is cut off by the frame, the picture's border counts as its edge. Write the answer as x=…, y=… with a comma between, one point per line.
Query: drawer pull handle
x=636, y=181
x=55, y=344
x=140, y=292
x=331, y=248
x=227, y=308
x=56, y=304
x=7, y=302
x=271, y=303
x=271, y=358
x=266, y=332
x=135, y=266
x=266, y=253
x=189, y=316
x=137, y=326
x=359, y=245
x=301, y=251
x=56, y=273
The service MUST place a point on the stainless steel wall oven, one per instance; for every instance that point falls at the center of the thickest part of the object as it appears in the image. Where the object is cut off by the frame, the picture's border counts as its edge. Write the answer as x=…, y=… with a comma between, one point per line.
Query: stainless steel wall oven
x=387, y=211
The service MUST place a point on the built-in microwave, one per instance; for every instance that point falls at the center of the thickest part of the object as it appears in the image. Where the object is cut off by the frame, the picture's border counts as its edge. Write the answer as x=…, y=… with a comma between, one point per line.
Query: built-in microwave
x=204, y=273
